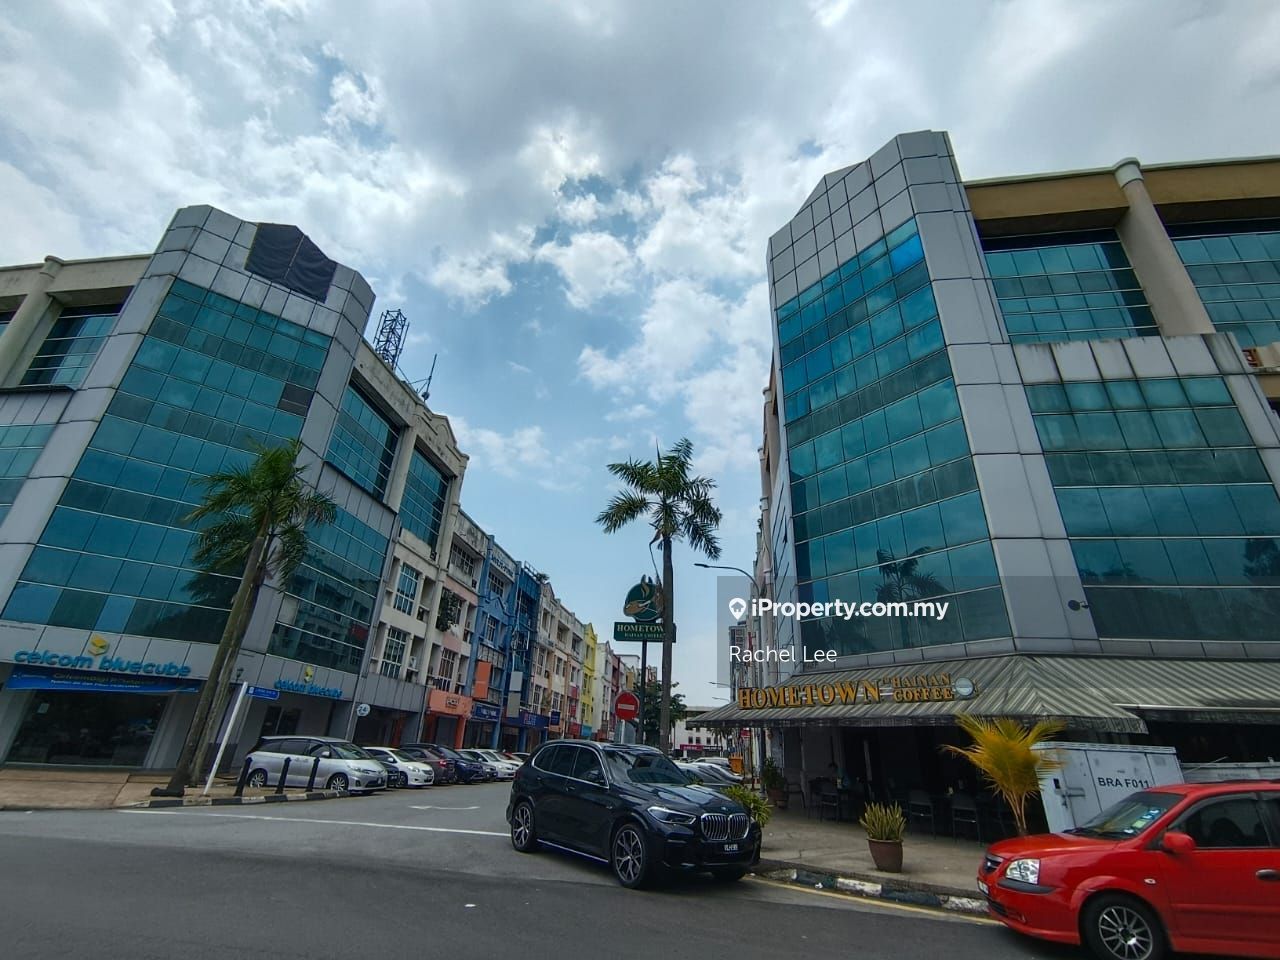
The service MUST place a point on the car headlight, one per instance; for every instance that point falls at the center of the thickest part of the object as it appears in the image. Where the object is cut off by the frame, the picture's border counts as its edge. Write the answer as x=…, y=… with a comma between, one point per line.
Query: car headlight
x=1028, y=871
x=667, y=815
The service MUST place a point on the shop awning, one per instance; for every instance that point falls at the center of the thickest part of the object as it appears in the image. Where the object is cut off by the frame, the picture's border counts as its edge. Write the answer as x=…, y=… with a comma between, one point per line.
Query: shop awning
x=1109, y=694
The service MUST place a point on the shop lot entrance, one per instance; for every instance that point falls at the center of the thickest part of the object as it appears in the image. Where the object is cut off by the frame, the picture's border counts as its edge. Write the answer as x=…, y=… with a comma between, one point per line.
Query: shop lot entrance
x=87, y=729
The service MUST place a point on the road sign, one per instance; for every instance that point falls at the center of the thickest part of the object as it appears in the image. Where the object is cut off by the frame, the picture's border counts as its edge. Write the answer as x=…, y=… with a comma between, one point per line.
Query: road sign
x=637, y=631
x=264, y=693
x=626, y=706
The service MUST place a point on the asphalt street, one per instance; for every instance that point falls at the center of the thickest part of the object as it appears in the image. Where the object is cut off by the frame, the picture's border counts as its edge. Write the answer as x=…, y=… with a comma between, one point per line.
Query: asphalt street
x=407, y=874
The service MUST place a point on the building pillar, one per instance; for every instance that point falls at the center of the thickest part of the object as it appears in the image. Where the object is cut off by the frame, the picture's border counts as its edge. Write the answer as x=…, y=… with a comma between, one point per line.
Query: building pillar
x=1173, y=297
x=14, y=340
x=460, y=733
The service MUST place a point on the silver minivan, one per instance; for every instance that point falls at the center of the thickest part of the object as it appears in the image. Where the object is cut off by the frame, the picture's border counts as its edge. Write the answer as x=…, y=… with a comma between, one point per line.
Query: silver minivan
x=343, y=765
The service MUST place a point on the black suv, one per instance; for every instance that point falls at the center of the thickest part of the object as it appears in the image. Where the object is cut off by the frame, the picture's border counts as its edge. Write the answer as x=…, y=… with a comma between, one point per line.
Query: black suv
x=631, y=807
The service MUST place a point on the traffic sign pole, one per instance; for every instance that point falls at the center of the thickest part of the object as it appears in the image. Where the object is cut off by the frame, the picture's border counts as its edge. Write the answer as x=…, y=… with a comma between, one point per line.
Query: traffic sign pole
x=222, y=746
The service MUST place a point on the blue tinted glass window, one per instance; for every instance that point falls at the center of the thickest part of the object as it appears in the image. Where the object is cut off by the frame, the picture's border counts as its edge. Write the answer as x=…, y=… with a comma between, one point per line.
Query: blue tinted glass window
x=1236, y=270
x=1067, y=287
x=426, y=491
x=363, y=444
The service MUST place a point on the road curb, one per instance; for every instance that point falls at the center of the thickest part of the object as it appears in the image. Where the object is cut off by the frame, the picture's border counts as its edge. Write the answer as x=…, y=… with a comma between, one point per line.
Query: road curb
x=875, y=888
x=238, y=801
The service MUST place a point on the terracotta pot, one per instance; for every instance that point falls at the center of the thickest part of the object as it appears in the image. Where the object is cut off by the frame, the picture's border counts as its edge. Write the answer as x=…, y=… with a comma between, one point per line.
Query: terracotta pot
x=776, y=796
x=887, y=854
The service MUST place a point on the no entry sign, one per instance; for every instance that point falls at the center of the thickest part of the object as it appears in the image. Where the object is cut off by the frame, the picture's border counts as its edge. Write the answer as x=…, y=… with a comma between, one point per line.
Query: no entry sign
x=626, y=706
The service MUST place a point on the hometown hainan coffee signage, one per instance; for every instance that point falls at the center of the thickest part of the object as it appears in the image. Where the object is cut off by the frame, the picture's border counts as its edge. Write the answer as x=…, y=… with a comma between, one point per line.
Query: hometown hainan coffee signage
x=908, y=688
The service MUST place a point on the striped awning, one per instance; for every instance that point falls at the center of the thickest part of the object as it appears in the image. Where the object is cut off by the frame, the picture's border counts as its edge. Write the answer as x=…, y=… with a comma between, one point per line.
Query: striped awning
x=1110, y=694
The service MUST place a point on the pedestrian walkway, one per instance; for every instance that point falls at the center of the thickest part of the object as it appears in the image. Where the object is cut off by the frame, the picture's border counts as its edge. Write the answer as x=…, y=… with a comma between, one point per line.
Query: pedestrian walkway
x=72, y=789
x=839, y=849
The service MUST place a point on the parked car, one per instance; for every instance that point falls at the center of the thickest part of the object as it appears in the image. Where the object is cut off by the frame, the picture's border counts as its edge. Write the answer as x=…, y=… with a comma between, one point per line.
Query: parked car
x=630, y=806
x=502, y=769
x=710, y=772
x=467, y=771
x=443, y=766
x=518, y=755
x=718, y=761
x=407, y=770
x=1191, y=867
x=343, y=765
x=506, y=766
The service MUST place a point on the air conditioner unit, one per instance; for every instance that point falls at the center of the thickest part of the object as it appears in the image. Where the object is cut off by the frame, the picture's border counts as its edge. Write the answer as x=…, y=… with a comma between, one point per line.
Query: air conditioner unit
x=474, y=583
x=413, y=663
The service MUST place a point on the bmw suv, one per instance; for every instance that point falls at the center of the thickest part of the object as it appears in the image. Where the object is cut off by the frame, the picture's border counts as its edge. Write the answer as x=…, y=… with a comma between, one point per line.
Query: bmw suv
x=631, y=807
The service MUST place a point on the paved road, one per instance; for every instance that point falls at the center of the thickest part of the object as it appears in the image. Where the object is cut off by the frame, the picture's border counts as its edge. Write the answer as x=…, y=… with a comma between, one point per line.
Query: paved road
x=406, y=874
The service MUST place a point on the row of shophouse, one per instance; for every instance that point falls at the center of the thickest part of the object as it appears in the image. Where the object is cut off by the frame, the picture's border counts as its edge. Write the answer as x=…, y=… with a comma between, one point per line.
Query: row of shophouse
x=126, y=381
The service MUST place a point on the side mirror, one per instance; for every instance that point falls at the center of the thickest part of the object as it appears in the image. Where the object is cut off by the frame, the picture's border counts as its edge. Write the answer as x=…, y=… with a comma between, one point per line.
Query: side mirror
x=1177, y=842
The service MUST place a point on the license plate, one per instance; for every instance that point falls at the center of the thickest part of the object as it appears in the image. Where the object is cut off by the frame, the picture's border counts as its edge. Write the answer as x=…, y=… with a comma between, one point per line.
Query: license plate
x=730, y=848
x=982, y=888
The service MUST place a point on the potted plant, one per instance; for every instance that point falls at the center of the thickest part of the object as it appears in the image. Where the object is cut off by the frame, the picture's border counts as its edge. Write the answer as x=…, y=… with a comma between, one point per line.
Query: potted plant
x=775, y=784
x=1003, y=750
x=885, y=826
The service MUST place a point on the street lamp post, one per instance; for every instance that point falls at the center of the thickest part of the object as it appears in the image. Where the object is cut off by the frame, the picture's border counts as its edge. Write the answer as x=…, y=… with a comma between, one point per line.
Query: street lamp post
x=756, y=593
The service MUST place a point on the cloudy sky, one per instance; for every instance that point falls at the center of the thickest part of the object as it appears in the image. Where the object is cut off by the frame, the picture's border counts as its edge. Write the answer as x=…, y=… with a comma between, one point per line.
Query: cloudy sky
x=571, y=200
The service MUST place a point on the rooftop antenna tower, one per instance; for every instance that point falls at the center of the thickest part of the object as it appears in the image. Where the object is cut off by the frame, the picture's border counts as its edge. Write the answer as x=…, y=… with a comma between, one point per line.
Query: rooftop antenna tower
x=389, y=340
x=426, y=390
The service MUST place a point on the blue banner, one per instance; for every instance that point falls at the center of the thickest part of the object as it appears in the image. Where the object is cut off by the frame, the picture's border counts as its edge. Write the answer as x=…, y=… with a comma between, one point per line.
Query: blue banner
x=485, y=712
x=536, y=720
x=32, y=678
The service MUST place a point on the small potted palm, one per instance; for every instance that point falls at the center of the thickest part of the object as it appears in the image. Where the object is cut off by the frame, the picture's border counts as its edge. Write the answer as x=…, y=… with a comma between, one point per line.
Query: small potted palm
x=885, y=826
x=775, y=784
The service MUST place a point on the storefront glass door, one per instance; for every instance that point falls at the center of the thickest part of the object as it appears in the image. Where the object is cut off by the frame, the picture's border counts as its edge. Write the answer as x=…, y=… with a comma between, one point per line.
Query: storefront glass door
x=91, y=729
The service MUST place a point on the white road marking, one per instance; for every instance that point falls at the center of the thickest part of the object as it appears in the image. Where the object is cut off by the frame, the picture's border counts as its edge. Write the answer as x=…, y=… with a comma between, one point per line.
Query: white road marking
x=430, y=807
x=340, y=823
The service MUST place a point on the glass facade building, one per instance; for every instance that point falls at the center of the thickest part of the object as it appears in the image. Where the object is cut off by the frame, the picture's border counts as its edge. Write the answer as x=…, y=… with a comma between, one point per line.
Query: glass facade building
x=204, y=389
x=882, y=486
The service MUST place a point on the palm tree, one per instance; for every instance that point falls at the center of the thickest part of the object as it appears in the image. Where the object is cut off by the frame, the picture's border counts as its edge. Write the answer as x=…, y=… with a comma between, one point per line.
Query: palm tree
x=1002, y=752
x=678, y=507
x=255, y=522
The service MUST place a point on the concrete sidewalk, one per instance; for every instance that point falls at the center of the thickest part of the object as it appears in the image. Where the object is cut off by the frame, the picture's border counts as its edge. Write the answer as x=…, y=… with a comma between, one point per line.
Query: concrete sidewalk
x=937, y=871
x=51, y=789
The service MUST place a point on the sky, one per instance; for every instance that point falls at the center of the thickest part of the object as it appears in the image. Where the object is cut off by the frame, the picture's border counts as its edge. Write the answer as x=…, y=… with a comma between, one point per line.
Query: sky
x=571, y=200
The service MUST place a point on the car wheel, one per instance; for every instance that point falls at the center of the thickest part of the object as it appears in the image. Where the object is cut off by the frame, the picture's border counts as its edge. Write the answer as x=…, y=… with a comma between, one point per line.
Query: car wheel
x=524, y=837
x=1117, y=927
x=257, y=779
x=729, y=874
x=629, y=856
x=402, y=780
x=338, y=781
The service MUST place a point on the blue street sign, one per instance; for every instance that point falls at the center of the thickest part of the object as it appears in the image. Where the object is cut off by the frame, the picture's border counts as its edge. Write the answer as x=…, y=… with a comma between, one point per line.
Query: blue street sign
x=264, y=693
x=555, y=718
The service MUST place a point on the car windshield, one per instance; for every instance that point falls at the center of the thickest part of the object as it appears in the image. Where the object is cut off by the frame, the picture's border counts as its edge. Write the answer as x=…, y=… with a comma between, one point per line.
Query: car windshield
x=349, y=751
x=404, y=755
x=645, y=767
x=1130, y=817
x=450, y=754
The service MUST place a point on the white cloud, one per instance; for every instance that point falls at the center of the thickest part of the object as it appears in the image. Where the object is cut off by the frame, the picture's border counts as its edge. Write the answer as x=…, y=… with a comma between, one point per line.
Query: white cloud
x=518, y=367
x=594, y=265
x=637, y=411
x=356, y=99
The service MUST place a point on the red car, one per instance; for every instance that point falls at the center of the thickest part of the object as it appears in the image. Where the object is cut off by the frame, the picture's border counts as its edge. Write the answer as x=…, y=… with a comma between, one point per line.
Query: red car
x=1191, y=867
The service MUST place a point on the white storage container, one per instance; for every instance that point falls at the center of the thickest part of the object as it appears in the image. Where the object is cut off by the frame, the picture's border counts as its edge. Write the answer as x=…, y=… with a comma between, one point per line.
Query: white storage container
x=1096, y=775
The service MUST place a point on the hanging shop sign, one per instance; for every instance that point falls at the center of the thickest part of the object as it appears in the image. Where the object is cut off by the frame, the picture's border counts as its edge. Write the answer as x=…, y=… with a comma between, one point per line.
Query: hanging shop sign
x=485, y=712
x=909, y=688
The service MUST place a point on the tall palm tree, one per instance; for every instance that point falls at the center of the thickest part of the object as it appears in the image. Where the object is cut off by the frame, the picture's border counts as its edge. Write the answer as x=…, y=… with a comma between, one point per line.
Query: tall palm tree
x=678, y=507
x=1002, y=752
x=254, y=522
